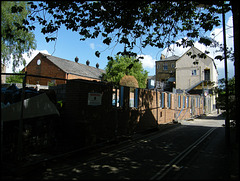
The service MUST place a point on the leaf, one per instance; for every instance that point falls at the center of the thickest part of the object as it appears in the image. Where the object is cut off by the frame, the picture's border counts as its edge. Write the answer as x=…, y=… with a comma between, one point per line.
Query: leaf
x=138, y=59
x=14, y=9
x=107, y=40
x=193, y=56
x=110, y=58
x=47, y=39
x=32, y=18
x=97, y=53
x=219, y=57
x=202, y=55
x=130, y=66
x=104, y=34
x=205, y=41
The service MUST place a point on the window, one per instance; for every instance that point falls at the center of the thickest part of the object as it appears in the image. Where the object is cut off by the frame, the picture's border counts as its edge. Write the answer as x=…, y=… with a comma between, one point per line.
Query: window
x=207, y=74
x=158, y=66
x=194, y=72
x=165, y=66
x=173, y=65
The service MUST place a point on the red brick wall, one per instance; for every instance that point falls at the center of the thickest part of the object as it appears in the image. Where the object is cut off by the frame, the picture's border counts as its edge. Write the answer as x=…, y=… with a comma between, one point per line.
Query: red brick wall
x=47, y=68
x=71, y=76
x=87, y=123
x=90, y=123
x=148, y=103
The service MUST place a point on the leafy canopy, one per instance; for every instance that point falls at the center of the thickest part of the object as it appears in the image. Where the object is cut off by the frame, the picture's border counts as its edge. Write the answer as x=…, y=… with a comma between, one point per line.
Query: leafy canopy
x=131, y=23
x=221, y=99
x=15, y=40
x=15, y=78
x=125, y=65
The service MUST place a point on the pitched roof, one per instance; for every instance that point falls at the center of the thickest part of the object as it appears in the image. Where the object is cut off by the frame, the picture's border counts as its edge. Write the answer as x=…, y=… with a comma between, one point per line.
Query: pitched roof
x=174, y=57
x=196, y=49
x=75, y=68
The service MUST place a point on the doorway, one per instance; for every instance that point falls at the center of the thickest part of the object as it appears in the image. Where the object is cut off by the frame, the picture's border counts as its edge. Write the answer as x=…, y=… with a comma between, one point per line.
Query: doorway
x=207, y=74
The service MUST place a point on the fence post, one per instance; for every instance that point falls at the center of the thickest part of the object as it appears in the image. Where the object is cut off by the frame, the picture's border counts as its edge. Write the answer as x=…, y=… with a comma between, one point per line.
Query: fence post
x=20, y=131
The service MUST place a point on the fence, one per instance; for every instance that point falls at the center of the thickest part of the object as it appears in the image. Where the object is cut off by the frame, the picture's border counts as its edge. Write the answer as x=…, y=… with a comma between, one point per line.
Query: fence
x=22, y=134
x=150, y=99
x=123, y=110
x=92, y=112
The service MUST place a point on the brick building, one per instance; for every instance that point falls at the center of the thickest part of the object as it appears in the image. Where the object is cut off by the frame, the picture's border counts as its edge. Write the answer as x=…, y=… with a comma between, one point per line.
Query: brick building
x=165, y=68
x=166, y=72
x=51, y=66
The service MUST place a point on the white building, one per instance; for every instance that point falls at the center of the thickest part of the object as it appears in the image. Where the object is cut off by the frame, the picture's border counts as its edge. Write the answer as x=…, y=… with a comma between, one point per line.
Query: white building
x=197, y=76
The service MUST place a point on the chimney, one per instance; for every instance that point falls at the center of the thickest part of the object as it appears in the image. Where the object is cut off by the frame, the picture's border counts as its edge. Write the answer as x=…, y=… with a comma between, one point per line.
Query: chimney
x=97, y=65
x=76, y=59
x=87, y=62
x=162, y=56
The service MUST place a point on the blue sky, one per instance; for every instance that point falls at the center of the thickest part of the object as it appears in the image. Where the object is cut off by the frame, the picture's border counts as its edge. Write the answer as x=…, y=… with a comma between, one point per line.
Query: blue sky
x=68, y=46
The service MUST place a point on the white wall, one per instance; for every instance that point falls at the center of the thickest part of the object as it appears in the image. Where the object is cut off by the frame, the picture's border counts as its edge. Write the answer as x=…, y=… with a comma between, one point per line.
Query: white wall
x=184, y=67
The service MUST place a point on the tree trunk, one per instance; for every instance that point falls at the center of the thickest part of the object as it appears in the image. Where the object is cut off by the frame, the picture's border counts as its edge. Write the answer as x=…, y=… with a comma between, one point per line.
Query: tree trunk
x=235, y=11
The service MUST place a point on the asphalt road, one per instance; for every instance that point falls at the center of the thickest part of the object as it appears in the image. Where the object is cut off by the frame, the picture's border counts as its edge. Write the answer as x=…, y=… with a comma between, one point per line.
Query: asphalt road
x=211, y=160
x=145, y=158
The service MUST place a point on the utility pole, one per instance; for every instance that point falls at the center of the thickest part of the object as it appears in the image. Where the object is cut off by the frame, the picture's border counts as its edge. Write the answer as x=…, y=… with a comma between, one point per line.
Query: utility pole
x=227, y=123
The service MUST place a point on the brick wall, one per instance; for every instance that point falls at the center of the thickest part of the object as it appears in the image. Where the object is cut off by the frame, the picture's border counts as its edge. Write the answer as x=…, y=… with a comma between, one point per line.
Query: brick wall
x=72, y=76
x=91, y=124
x=47, y=68
x=85, y=123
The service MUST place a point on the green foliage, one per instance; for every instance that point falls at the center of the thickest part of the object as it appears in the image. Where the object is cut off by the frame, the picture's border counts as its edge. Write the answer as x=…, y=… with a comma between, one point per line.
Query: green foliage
x=153, y=23
x=125, y=65
x=15, y=78
x=221, y=99
x=15, y=38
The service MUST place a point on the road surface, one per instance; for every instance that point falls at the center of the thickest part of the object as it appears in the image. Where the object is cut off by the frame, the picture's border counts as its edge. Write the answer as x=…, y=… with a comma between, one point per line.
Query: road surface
x=193, y=150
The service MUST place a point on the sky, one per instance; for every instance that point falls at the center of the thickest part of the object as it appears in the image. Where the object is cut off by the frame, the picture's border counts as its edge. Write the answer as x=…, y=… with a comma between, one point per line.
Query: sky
x=68, y=46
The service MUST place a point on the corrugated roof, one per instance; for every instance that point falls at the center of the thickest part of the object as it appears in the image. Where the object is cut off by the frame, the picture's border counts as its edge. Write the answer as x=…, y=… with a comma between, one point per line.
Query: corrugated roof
x=71, y=67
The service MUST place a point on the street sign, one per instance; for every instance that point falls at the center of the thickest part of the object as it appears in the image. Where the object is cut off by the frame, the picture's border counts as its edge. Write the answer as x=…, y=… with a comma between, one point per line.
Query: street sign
x=94, y=99
x=206, y=92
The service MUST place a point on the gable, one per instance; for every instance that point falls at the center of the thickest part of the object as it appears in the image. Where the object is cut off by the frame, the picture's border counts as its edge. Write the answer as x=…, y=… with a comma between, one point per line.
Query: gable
x=186, y=60
x=40, y=65
x=70, y=67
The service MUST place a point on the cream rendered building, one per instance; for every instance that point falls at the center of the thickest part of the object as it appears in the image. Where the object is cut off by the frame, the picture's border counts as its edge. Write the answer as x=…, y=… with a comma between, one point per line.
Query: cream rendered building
x=197, y=76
